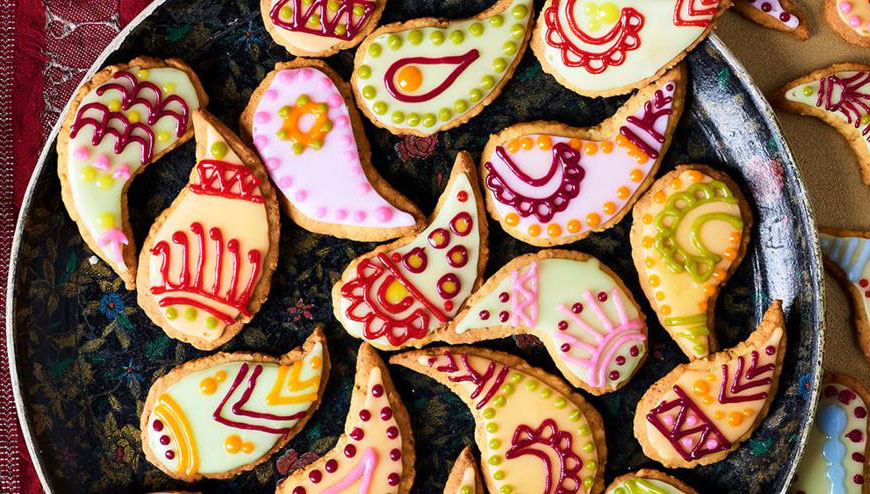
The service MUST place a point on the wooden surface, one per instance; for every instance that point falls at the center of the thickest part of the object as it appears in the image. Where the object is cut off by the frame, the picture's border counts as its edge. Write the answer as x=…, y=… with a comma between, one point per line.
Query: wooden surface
x=829, y=167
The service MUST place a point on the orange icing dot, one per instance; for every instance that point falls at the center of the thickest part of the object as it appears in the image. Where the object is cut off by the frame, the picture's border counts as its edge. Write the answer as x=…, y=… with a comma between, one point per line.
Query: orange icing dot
x=707, y=400
x=609, y=208
x=535, y=230
x=748, y=412
x=622, y=193
x=554, y=230
x=735, y=419
x=660, y=197
x=590, y=148
x=513, y=146
x=527, y=143
x=676, y=183
x=574, y=226
x=233, y=444
x=654, y=281
x=409, y=78
x=660, y=296
x=575, y=144
x=719, y=415
x=208, y=386
x=247, y=447
x=640, y=158
x=636, y=175
x=702, y=306
x=734, y=237
x=621, y=140
x=544, y=143
x=709, y=290
x=711, y=377
x=730, y=253
x=650, y=262
x=512, y=219
x=315, y=363
x=221, y=376
x=719, y=274
x=592, y=219
x=701, y=387
x=606, y=147
x=665, y=309
x=647, y=219
x=647, y=242
x=695, y=175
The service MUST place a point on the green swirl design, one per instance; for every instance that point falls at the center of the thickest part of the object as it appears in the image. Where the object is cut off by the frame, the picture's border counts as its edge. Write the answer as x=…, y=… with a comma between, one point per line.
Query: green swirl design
x=638, y=486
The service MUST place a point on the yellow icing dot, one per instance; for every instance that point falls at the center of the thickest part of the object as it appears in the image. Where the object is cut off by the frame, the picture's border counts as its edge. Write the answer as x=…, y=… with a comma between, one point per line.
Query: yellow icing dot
x=208, y=386
x=512, y=219
x=554, y=230
x=534, y=230
x=211, y=322
x=106, y=221
x=665, y=309
x=608, y=13
x=636, y=175
x=609, y=207
x=592, y=219
x=647, y=242
x=105, y=181
x=711, y=377
x=654, y=281
x=573, y=226
x=168, y=87
x=247, y=447
x=114, y=105
x=649, y=261
x=647, y=219
x=575, y=144
x=143, y=74
x=233, y=444
x=163, y=136
x=622, y=193
x=660, y=296
x=607, y=147
x=545, y=143
x=171, y=314
x=590, y=148
x=133, y=116
x=88, y=174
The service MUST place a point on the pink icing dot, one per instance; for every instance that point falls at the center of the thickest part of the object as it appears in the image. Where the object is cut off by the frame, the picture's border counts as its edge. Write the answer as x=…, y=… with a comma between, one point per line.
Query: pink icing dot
x=273, y=163
x=347, y=139
x=324, y=82
x=384, y=214
x=687, y=442
x=262, y=117
x=301, y=195
x=340, y=214
x=359, y=215
x=712, y=444
x=334, y=100
x=82, y=153
x=306, y=74
x=285, y=182
x=260, y=142
x=356, y=171
x=364, y=188
x=350, y=156
x=102, y=163
x=271, y=95
x=287, y=76
x=854, y=21
x=669, y=420
x=342, y=121
x=845, y=7
x=321, y=212
x=691, y=420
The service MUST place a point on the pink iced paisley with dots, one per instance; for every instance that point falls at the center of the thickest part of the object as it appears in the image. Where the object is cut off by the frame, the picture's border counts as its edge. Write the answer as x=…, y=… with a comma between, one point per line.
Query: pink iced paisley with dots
x=303, y=133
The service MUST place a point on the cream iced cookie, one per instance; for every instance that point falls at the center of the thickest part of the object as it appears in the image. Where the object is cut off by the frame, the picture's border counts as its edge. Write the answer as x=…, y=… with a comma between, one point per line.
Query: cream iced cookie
x=850, y=19
x=584, y=314
x=522, y=415
x=690, y=232
x=839, y=95
x=224, y=414
x=550, y=184
x=701, y=411
x=314, y=147
x=398, y=294
x=125, y=118
x=781, y=15
x=376, y=452
x=847, y=257
x=464, y=477
x=427, y=75
x=319, y=28
x=208, y=259
x=834, y=459
x=646, y=481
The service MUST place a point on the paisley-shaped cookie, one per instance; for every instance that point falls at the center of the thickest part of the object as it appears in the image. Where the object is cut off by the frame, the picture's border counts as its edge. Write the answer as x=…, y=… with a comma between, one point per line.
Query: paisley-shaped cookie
x=646, y=481
x=701, y=411
x=839, y=95
x=319, y=28
x=834, y=459
x=376, y=452
x=464, y=477
x=398, y=294
x=314, y=147
x=850, y=19
x=584, y=314
x=522, y=415
x=550, y=184
x=125, y=118
x=224, y=414
x=690, y=232
x=426, y=75
x=609, y=47
x=781, y=15
x=847, y=257
x=208, y=259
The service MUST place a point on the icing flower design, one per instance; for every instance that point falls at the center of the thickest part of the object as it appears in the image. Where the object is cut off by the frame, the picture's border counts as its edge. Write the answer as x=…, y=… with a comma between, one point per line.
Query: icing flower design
x=537, y=442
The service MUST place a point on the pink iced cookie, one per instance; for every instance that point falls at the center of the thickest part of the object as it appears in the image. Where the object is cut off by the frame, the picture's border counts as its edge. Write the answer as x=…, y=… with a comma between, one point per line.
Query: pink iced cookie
x=313, y=146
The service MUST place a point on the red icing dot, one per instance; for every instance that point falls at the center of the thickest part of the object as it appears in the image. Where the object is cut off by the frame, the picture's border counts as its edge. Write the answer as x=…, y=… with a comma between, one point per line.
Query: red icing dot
x=462, y=196
x=860, y=412
x=396, y=257
x=867, y=294
x=170, y=454
x=620, y=360
x=484, y=315
x=565, y=347
x=448, y=306
x=864, y=283
x=357, y=434
x=395, y=455
x=858, y=457
x=602, y=297
x=830, y=391
x=633, y=351
x=393, y=479
x=503, y=316
x=785, y=17
x=164, y=440
x=392, y=432
x=770, y=350
x=855, y=435
x=377, y=390
x=614, y=375
x=331, y=466
x=503, y=297
x=765, y=7
x=365, y=415
x=158, y=425
x=349, y=450
x=846, y=396
x=315, y=476
x=858, y=479
x=577, y=308
x=386, y=413
x=563, y=325
x=298, y=490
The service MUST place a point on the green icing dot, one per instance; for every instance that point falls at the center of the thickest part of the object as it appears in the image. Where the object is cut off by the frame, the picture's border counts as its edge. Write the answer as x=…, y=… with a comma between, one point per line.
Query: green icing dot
x=496, y=20
x=340, y=29
x=211, y=322
x=560, y=403
x=320, y=108
x=531, y=385
x=808, y=90
x=375, y=50
x=517, y=31
x=589, y=447
x=437, y=37
x=457, y=37
x=492, y=427
x=545, y=393
x=445, y=114
x=303, y=100
x=619, y=490
x=285, y=12
x=394, y=42
x=498, y=475
x=494, y=443
x=190, y=313
x=460, y=106
x=380, y=107
x=499, y=64
x=474, y=95
x=282, y=134
x=509, y=48
x=520, y=11
x=465, y=489
x=515, y=378
x=591, y=465
x=284, y=112
x=315, y=144
x=865, y=120
x=476, y=29
x=489, y=413
x=429, y=120
x=364, y=72
x=584, y=430
x=171, y=314
x=506, y=489
x=487, y=82
x=358, y=10
x=699, y=348
x=413, y=119
x=588, y=482
x=507, y=389
x=397, y=117
x=298, y=148
x=219, y=149
x=369, y=92
x=499, y=401
x=494, y=460
x=332, y=5
x=574, y=415
x=415, y=37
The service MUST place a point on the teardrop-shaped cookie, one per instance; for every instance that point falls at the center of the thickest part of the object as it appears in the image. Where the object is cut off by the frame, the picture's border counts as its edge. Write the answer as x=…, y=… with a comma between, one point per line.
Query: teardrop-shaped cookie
x=464, y=476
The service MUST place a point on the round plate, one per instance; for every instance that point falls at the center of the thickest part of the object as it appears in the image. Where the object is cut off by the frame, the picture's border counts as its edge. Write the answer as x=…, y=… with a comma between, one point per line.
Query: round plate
x=84, y=354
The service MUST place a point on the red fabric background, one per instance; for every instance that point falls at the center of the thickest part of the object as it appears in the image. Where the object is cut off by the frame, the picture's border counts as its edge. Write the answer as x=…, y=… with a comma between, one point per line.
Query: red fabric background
x=55, y=42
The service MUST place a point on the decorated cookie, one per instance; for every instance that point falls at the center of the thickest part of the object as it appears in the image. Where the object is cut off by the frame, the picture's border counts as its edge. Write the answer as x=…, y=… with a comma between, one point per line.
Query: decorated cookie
x=577, y=306
x=781, y=15
x=613, y=46
x=376, y=452
x=690, y=233
x=834, y=459
x=534, y=434
x=550, y=184
x=324, y=172
x=207, y=262
x=701, y=411
x=319, y=28
x=398, y=294
x=850, y=19
x=125, y=118
x=646, y=481
x=839, y=95
x=847, y=257
x=427, y=75
x=224, y=414
x=464, y=477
